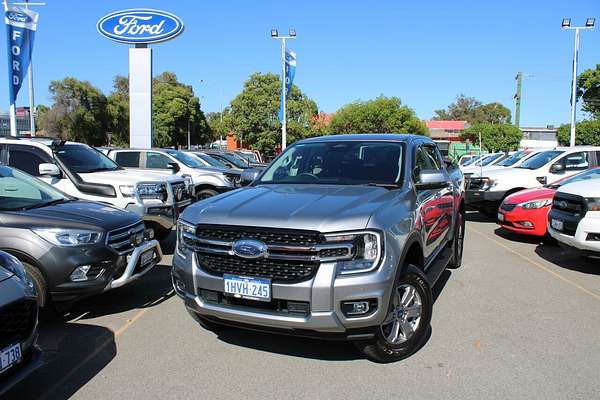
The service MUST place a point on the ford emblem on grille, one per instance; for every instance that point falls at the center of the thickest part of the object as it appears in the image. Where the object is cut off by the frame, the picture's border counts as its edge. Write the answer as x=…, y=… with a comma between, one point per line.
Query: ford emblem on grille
x=249, y=249
x=562, y=204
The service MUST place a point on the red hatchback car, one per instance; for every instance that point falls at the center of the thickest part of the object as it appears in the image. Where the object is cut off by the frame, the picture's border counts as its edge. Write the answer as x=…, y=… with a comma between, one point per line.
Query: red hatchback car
x=527, y=211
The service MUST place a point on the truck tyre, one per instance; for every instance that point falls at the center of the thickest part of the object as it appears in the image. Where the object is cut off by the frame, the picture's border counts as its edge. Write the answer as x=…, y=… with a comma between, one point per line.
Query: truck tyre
x=205, y=194
x=458, y=241
x=206, y=324
x=406, y=325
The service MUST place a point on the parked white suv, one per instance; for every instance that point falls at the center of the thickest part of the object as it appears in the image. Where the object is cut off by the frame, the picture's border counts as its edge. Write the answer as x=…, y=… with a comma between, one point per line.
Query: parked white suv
x=574, y=219
x=513, y=160
x=206, y=181
x=83, y=172
x=486, y=161
x=487, y=192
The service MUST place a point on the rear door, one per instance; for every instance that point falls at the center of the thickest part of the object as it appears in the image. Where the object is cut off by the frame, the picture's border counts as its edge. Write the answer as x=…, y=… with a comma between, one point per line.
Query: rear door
x=127, y=159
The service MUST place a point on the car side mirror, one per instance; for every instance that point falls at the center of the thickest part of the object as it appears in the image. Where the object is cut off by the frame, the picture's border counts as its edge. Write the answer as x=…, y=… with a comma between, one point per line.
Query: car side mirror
x=49, y=169
x=173, y=166
x=449, y=162
x=431, y=179
x=248, y=176
x=556, y=168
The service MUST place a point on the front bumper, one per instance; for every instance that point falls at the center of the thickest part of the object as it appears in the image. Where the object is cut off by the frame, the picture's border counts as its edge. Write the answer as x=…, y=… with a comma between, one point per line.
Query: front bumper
x=134, y=270
x=579, y=241
x=518, y=220
x=476, y=198
x=31, y=362
x=158, y=213
x=324, y=293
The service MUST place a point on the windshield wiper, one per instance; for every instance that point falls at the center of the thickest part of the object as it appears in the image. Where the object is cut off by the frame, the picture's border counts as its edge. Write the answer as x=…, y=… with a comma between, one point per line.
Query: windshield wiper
x=383, y=185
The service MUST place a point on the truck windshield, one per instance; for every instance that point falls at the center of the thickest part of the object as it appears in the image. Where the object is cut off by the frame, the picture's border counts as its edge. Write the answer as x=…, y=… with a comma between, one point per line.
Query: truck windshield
x=540, y=159
x=472, y=161
x=19, y=191
x=213, y=162
x=231, y=159
x=582, y=176
x=512, y=159
x=490, y=159
x=338, y=163
x=186, y=159
x=82, y=159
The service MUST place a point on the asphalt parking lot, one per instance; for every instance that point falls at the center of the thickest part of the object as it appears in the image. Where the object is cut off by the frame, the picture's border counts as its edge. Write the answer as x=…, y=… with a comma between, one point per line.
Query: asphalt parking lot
x=518, y=320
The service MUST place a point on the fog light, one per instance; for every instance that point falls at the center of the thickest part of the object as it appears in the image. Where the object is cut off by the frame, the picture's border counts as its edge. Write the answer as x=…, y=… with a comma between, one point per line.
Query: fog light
x=525, y=224
x=80, y=273
x=358, y=307
x=297, y=307
x=178, y=285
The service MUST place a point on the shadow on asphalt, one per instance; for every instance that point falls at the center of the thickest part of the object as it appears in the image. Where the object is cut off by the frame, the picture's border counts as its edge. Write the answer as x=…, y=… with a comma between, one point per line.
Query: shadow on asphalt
x=73, y=354
x=476, y=216
x=516, y=237
x=568, y=259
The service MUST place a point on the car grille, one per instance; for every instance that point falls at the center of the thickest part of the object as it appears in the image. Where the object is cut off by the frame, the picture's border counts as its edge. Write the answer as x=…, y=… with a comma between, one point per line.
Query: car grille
x=269, y=236
x=180, y=192
x=277, y=270
x=507, y=206
x=234, y=178
x=475, y=183
x=120, y=239
x=569, y=204
x=17, y=321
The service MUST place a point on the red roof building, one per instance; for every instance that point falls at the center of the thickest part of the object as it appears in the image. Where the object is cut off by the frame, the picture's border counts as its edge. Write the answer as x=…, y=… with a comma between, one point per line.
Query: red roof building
x=446, y=130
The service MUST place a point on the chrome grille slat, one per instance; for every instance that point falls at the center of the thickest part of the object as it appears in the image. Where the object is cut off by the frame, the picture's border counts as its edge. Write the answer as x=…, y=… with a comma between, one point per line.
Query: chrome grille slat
x=116, y=238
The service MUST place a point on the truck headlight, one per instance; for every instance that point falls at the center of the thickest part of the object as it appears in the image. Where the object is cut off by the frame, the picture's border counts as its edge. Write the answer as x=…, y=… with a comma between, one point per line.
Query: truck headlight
x=367, y=251
x=183, y=246
x=152, y=191
x=127, y=190
x=530, y=205
x=68, y=237
x=593, y=203
x=488, y=184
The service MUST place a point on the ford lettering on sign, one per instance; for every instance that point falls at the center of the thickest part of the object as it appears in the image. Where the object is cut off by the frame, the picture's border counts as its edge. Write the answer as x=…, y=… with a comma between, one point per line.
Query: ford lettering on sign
x=140, y=26
x=16, y=16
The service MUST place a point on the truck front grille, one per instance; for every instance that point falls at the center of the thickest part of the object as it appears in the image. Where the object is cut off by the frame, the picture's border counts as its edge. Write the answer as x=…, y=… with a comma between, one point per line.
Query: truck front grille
x=266, y=235
x=17, y=321
x=569, y=204
x=120, y=239
x=180, y=192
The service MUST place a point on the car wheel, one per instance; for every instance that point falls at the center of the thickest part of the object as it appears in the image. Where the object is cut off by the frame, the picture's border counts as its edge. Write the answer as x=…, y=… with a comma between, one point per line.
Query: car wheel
x=205, y=194
x=406, y=324
x=206, y=324
x=39, y=283
x=458, y=242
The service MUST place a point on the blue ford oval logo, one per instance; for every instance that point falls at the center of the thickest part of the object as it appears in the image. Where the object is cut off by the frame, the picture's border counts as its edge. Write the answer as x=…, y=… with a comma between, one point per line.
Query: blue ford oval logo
x=249, y=249
x=140, y=26
x=16, y=16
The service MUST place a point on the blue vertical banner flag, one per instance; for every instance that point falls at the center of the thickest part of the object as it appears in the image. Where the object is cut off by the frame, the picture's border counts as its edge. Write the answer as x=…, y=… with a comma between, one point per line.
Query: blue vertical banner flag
x=21, y=25
x=290, y=72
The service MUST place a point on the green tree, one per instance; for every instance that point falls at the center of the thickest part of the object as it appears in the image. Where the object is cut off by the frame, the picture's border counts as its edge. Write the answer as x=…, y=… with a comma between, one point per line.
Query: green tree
x=588, y=89
x=40, y=111
x=78, y=112
x=586, y=133
x=494, y=113
x=118, y=111
x=174, y=106
x=217, y=124
x=253, y=116
x=380, y=115
x=473, y=111
x=494, y=137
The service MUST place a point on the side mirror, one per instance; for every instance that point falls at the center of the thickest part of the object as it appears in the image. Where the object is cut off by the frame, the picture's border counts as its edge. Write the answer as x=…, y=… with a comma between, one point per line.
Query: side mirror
x=49, y=169
x=556, y=168
x=248, y=176
x=449, y=162
x=431, y=179
x=173, y=166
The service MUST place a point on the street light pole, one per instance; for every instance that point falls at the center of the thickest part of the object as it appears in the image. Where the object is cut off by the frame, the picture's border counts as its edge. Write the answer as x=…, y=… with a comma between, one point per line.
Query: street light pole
x=566, y=24
x=275, y=35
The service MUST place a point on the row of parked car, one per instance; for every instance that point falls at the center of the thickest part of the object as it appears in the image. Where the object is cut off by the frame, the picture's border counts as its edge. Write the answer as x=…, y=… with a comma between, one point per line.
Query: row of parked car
x=548, y=192
x=77, y=221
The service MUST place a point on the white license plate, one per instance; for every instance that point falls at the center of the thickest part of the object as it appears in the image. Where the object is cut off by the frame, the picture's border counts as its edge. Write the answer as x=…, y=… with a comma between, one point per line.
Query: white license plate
x=248, y=288
x=147, y=257
x=500, y=217
x=10, y=356
x=557, y=224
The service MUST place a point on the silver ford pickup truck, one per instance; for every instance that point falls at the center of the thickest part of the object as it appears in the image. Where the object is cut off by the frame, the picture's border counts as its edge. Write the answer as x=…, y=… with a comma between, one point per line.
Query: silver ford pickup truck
x=341, y=237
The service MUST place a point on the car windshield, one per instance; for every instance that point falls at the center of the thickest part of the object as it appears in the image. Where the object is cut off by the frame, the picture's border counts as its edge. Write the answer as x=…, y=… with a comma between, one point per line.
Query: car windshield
x=83, y=159
x=582, y=176
x=19, y=191
x=471, y=161
x=339, y=163
x=213, y=162
x=540, y=159
x=512, y=159
x=250, y=157
x=232, y=159
x=186, y=159
x=490, y=159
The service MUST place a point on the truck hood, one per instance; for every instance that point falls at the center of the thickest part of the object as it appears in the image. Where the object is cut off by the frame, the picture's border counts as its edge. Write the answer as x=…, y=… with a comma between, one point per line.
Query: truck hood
x=128, y=177
x=72, y=214
x=324, y=208
x=585, y=188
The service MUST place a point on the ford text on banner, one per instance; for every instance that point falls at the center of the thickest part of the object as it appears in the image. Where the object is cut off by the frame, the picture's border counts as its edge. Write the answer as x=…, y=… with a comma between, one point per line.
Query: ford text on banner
x=21, y=25
x=290, y=72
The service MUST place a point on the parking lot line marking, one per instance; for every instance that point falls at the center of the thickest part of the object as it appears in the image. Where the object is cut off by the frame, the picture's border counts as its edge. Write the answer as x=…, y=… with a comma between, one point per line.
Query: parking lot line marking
x=537, y=264
x=130, y=322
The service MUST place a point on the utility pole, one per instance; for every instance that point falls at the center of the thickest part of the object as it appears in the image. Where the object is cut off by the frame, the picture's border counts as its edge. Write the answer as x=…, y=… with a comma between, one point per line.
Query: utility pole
x=519, y=79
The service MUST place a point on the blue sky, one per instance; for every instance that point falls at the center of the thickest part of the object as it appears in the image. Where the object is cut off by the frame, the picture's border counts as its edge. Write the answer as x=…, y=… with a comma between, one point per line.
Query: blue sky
x=425, y=52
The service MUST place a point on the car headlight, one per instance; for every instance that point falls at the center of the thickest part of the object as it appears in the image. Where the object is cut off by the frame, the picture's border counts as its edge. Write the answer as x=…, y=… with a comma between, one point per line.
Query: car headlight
x=127, y=190
x=183, y=245
x=593, y=203
x=12, y=264
x=68, y=237
x=529, y=205
x=152, y=191
x=367, y=251
x=488, y=184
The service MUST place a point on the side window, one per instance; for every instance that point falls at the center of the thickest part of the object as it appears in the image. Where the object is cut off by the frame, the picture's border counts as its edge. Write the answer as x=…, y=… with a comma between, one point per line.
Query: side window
x=157, y=160
x=422, y=161
x=576, y=161
x=434, y=157
x=129, y=159
x=27, y=159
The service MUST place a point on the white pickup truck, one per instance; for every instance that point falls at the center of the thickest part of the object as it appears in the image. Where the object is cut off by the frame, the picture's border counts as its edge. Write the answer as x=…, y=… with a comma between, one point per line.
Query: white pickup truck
x=83, y=172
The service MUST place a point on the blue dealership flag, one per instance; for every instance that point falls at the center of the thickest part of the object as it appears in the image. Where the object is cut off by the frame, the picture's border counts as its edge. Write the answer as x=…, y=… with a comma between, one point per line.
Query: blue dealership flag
x=21, y=25
x=290, y=72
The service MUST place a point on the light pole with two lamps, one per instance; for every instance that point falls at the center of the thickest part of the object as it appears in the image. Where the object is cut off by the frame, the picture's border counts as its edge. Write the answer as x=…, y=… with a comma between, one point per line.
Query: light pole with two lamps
x=291, y=35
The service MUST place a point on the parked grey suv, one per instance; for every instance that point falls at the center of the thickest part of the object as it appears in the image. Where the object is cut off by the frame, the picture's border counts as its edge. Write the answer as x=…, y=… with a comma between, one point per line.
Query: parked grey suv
x=341, y=237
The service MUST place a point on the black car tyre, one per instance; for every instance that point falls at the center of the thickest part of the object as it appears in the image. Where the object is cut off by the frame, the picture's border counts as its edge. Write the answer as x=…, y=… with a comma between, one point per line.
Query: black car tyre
x=406, y=326
x=205, y=194
x=39, y=282
x=458, y=242
x=206, y=324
